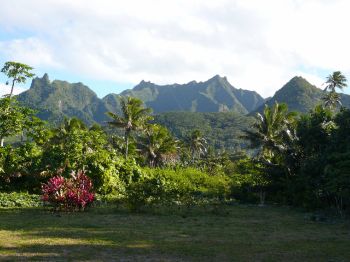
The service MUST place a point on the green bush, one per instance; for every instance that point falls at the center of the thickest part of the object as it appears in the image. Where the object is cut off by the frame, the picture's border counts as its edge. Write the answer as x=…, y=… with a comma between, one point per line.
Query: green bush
x=19, y=168
x=19, y=200
x=248, y=181
x=182, y=186
x=111, y=173
x=102, y=169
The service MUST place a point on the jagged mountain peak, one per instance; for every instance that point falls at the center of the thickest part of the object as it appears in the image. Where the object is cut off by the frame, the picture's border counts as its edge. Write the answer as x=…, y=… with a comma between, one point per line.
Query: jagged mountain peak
x=58, y=99
x=214, y=95
x=218, y=79
x=41, y=81
x=46, y=78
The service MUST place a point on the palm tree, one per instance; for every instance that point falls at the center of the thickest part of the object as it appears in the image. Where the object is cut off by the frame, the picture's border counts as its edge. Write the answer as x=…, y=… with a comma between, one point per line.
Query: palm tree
x=198, y=144
x=274, y=135
x=335, y=80
x=272, y=132
x=68, y=126
x=133, y=117
x=157, y=143
x=331, y=100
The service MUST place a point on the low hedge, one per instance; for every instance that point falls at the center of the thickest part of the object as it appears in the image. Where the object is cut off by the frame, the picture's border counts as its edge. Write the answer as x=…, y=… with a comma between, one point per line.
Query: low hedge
x=16, y=199
x=180, y=187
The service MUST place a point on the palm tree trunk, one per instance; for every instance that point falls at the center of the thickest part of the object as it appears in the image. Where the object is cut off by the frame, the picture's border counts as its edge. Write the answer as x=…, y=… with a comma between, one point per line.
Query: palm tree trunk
x=6, y=109
x=339, y=205
x=262, y=195
x=126, y=143
x=193, y=155
x=12, y=87
x=151, y=163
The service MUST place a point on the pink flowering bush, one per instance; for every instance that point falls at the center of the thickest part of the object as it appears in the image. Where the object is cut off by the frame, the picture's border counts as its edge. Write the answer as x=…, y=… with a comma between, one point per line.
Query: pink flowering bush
x=68, y=194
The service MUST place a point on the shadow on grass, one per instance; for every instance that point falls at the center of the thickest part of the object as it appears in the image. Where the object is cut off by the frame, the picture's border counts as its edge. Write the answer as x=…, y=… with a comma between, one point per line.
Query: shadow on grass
x=36, y=234
x=105, y=234
x=91, y=252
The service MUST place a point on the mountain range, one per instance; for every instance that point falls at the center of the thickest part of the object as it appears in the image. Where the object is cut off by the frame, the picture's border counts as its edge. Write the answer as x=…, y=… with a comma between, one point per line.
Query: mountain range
x=213, y=95
x=57, y=99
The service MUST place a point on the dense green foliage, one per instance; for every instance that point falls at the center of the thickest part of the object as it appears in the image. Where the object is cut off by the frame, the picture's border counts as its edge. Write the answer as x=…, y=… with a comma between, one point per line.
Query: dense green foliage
x=15, y=199
x=308, y=166
x=14, y=118
x=182, y=186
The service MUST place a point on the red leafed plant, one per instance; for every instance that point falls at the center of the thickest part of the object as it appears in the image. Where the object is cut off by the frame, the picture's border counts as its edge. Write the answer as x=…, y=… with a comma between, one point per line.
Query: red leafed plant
x=68, y=194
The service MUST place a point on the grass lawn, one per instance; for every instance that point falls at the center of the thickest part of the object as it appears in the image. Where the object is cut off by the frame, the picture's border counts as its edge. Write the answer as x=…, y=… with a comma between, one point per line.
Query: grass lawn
x=243, y=233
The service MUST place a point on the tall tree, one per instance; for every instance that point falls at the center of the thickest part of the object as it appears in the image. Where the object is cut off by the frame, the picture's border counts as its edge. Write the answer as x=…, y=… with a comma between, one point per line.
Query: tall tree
x=13, y=118
x=335, y=80
x=198, y=144
x=273, y=132
x=17, y=73
x=157, y=143
x=133, y=117
x=274, y=136
x=270, y=129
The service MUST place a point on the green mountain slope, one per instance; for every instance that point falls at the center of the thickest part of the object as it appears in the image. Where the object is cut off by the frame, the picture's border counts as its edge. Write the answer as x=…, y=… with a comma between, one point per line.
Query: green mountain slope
x=214, y=95
x=300, y=96
x=58, y=99
x=222, y=129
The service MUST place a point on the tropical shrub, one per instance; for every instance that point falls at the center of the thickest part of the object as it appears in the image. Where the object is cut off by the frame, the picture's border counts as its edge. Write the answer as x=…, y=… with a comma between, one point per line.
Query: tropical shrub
x=20, y=168
x=68, y=194
x=103, y=168
x=111, y=173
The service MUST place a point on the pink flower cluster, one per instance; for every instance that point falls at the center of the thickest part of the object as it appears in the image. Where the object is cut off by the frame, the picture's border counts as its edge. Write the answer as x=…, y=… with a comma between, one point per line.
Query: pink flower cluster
x=68, y=194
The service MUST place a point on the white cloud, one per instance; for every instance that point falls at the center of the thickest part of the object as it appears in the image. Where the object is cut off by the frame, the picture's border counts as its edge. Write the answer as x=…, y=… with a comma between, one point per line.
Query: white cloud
x=29, y=50
x=258, y=45
x=5, y=90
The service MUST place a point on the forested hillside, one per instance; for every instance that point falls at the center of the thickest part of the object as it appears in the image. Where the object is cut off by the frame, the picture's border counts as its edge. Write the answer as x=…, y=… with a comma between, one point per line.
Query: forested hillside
x=56, y=100
x=222, y=130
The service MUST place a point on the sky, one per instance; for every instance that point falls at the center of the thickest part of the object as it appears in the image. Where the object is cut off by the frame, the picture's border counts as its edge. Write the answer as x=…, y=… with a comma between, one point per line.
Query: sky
x=112, y=45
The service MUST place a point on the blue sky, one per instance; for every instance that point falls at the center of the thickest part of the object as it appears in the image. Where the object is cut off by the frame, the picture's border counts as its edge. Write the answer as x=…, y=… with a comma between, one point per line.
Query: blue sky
x=113, y=45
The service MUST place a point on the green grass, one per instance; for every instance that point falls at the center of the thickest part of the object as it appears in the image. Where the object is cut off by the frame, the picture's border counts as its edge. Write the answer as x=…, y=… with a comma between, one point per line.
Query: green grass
x=240, y=233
